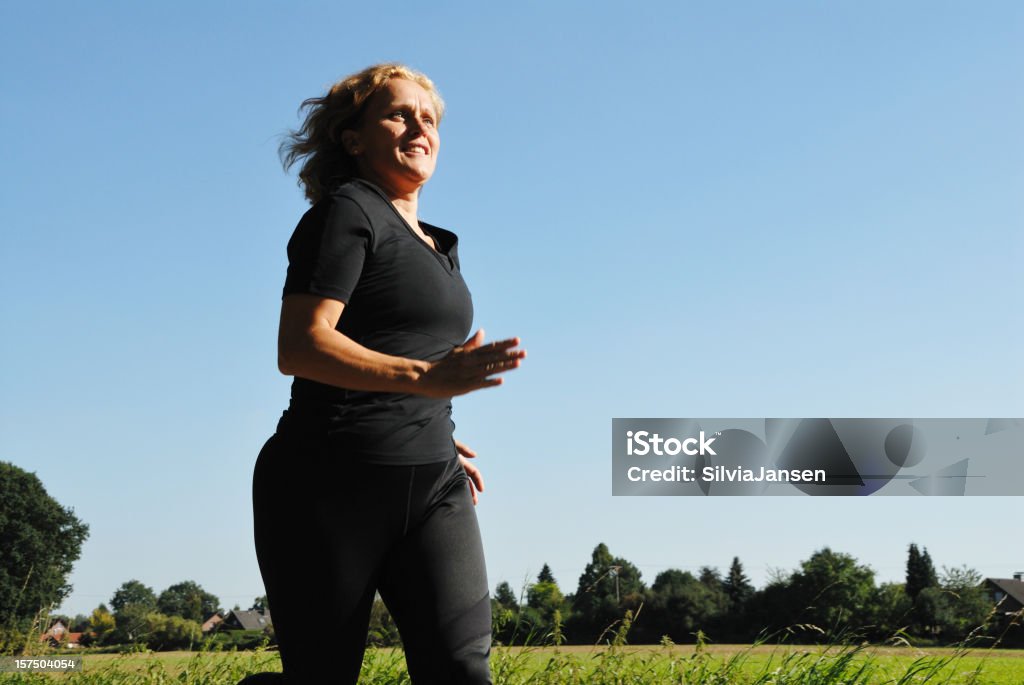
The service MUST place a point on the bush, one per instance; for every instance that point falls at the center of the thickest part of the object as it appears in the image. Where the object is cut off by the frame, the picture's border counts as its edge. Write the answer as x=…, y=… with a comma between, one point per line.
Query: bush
x=171, y=632
x=226, y=640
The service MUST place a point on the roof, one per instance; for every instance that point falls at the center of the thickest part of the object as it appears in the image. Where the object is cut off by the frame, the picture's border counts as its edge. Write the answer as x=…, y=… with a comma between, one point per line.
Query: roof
x=56, y=630
x=57, y=624
x=251, y=620
x=209, y=623
x=58, y=635
x=1013, y=588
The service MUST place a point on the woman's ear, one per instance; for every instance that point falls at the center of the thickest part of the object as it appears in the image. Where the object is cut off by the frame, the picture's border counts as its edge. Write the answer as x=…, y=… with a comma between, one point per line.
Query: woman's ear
x=350, y=140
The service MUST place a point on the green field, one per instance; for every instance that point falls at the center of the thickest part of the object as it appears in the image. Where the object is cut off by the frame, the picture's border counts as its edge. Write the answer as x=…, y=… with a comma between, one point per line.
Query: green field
x=718, y=665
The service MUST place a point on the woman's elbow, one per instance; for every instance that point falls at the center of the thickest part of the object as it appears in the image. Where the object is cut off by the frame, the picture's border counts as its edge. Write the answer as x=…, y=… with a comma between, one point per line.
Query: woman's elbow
x=287, y=356
x=283, y=365
x=301, y=352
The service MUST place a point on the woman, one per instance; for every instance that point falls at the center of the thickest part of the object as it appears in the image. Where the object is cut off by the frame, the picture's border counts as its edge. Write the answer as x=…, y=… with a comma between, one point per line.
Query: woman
x=363, y=488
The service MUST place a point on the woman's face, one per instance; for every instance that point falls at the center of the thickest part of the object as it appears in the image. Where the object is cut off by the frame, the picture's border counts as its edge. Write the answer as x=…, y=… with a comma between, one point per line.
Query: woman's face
x=397, y=142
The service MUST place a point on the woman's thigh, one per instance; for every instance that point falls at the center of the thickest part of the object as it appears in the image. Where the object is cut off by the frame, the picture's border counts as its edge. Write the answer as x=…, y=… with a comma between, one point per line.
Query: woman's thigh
x=321, y=532
x=434, y=581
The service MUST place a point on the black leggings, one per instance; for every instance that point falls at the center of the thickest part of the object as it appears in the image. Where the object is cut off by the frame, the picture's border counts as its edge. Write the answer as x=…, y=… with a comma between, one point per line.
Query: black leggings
x=331, y=530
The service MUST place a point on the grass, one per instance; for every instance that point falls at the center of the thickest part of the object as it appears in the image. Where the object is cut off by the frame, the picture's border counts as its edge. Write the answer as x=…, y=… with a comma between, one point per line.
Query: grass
x=615, y=664
x=758, y=665
x=843, y=661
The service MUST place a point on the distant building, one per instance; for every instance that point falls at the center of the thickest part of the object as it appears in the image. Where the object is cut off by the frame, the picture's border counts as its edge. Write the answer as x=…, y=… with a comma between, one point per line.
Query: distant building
x=238, y=620
x=1007, y=593
x=58, y=634
x=212, y=622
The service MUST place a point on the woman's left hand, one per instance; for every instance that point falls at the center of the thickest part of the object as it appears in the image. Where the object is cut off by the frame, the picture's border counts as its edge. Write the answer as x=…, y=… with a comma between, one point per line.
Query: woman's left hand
x=476, y=479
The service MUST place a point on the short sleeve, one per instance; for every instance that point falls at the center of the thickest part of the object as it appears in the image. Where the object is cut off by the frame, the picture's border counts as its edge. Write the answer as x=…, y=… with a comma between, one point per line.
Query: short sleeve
x=328, y=249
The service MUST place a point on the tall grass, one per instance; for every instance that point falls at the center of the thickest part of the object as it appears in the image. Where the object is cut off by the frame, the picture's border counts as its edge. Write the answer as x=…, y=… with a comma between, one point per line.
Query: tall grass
x=203, y=668
x=612, y=665
x=840, y=659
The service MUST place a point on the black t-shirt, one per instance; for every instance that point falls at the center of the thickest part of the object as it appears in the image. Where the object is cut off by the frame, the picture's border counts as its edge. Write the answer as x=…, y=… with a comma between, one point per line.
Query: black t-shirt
x=401, y=298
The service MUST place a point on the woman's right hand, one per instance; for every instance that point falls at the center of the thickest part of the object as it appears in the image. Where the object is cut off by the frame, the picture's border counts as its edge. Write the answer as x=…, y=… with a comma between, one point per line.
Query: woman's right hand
x=470, y=366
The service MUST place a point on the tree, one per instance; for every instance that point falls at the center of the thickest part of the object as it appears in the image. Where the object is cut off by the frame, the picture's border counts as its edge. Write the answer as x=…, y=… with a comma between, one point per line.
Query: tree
x=607, y=587
x=920, y=572
x=774, y=606
x=928, y=607
x=134, y=593
x=101, y=624
x=259, y=604
x=171, y=632
x=544, y=596
x=504, y=612
x=383, y=632
x=833, y=590
x=538, y=620
x=735, y=623
x=504, y=596
x=889, y=611
x=960, y=580
x=680, y=605
x=737, y=586
x=188, y=600
x=131, y=624
x=40, y=540
x=710, y=577
x=966, y=604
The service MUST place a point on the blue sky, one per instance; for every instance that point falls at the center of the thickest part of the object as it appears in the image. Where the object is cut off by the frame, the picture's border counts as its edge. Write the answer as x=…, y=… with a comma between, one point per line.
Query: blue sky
x=684, y=209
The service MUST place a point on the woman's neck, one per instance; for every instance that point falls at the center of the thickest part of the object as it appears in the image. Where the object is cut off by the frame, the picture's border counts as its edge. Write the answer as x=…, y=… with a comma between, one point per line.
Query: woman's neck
x=405, y=200
x=407, y=207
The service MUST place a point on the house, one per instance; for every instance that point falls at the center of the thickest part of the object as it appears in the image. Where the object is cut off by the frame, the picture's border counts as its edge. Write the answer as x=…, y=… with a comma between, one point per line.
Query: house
x=1007, y=593
x=58, y=633
x=247, y=620
x=238, y=620
x=212, y=622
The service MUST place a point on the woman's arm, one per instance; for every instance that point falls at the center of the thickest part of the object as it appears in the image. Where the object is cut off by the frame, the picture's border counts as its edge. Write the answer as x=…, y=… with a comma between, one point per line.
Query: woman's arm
x=309, y=346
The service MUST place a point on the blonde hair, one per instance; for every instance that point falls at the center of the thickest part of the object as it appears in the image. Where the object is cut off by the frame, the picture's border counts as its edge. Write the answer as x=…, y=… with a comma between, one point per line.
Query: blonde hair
x=317, y=143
